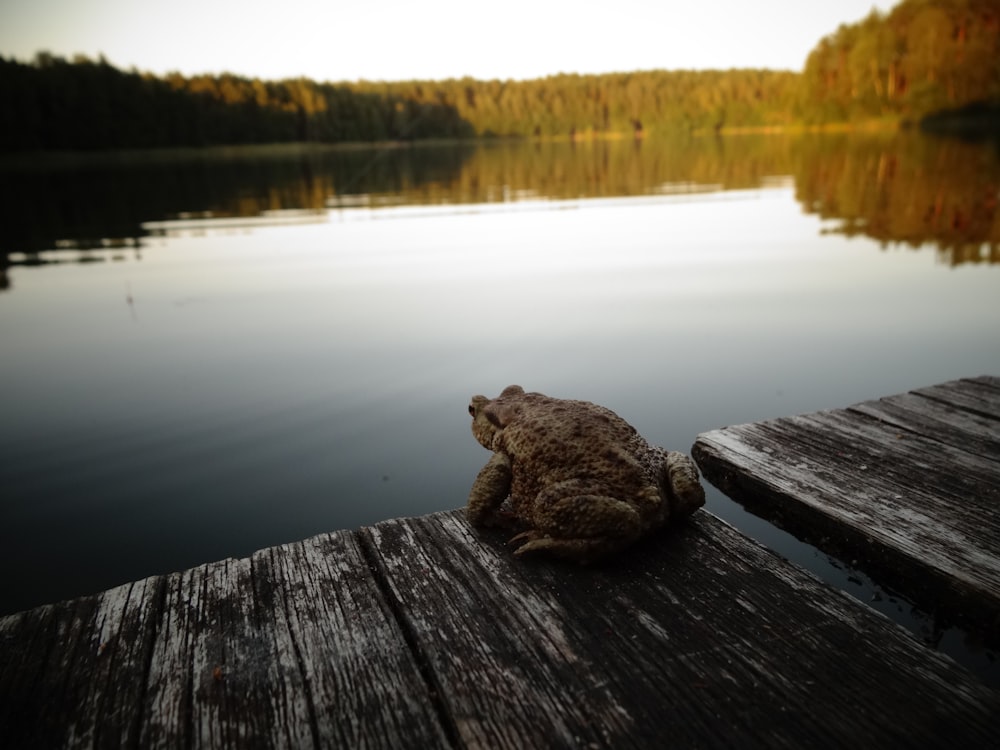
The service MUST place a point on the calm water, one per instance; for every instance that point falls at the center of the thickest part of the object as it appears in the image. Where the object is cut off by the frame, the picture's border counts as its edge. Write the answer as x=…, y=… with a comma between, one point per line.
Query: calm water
x=207, y=354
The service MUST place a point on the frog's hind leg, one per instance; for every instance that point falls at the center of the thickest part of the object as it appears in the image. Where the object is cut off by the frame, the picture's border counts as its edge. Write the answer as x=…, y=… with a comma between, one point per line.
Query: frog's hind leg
x=584, y=528
x=681, y=477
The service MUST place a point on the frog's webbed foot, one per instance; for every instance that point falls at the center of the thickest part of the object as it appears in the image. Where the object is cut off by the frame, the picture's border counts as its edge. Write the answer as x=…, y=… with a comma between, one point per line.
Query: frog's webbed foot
x=525, y=536
x=581, y=550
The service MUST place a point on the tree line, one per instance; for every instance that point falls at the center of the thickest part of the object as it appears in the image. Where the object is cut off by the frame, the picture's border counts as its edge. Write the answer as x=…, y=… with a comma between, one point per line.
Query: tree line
x=921, y=57
x=54, y=103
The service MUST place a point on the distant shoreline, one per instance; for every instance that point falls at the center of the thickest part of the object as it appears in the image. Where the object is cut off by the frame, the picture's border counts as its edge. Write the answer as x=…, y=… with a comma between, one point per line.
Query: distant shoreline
x=983, y=122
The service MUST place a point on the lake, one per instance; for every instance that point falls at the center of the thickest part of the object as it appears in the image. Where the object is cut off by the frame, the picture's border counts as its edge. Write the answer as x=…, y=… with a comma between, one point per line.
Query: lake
x=206, y=353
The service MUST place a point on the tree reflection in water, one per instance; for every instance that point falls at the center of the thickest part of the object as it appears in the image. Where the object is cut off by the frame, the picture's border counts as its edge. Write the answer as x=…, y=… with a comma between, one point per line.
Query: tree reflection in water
x=897, y=188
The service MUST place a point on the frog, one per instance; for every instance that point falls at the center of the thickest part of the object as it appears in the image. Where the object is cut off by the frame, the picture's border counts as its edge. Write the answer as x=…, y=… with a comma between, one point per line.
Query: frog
x=577, y=481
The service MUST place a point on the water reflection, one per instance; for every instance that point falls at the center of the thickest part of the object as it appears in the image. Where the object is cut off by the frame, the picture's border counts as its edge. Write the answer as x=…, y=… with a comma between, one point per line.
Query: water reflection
x=896, y=188
x=907, y=190
x=90, y=203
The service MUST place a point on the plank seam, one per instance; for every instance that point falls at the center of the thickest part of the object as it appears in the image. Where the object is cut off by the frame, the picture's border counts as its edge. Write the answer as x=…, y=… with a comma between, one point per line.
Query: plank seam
x=435, y=690
x=987, y=381
x=953, y=405
x=188, y=717
x=907, y=419
x=299, y=659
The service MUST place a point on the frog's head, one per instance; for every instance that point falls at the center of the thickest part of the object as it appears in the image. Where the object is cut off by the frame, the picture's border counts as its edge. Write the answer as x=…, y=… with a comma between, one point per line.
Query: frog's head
x=486, y=427
x=490, y=416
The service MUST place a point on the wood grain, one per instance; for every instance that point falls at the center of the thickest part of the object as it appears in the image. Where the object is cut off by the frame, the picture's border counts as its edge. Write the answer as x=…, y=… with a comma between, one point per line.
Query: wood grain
x=698, y=637
x=423, y=633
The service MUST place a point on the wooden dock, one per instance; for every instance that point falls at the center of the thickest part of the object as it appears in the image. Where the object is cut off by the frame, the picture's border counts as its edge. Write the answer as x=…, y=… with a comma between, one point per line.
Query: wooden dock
x=423, y=632
x=907, y=485
x=420, y=633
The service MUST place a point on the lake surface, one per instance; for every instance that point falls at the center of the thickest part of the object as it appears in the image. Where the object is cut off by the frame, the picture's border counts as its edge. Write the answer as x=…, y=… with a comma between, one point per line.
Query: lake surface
x=207, y=353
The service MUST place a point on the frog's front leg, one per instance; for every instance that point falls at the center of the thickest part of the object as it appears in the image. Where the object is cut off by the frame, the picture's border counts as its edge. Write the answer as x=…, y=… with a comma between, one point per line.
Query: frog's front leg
x=491, y=488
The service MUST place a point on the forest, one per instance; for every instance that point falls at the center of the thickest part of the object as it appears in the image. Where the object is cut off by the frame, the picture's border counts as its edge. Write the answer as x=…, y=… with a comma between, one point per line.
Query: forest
x=922, y=58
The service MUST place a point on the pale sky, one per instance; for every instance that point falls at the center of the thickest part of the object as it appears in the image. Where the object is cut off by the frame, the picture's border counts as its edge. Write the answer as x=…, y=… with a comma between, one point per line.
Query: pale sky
x=425, y=39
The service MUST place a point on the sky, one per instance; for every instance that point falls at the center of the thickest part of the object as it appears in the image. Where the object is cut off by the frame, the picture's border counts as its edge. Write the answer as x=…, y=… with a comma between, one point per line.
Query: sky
x=331, y=40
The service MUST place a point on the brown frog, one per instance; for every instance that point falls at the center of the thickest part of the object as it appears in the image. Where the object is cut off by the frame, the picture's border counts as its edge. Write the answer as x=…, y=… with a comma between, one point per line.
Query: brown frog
x=580, y=479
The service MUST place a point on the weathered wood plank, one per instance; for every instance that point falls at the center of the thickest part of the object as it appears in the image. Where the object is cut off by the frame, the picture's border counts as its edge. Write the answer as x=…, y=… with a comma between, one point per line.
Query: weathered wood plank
x=124, y=624
x=920, y=510
x=495, y=646
x=341, y=640
x=698, y=637
x=993, y=381
x=291, y=648
x=936, y=420
x=207, y=611
x=294, y=647
x=423, y=633
x=74, y=674
x=980, y=395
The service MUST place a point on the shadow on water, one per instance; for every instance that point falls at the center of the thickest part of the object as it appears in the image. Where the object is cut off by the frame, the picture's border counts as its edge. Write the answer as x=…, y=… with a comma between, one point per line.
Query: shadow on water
x=900, y=188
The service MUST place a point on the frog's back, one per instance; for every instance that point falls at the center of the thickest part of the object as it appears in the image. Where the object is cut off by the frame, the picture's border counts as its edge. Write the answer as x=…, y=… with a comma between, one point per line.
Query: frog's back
x=551, y=440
